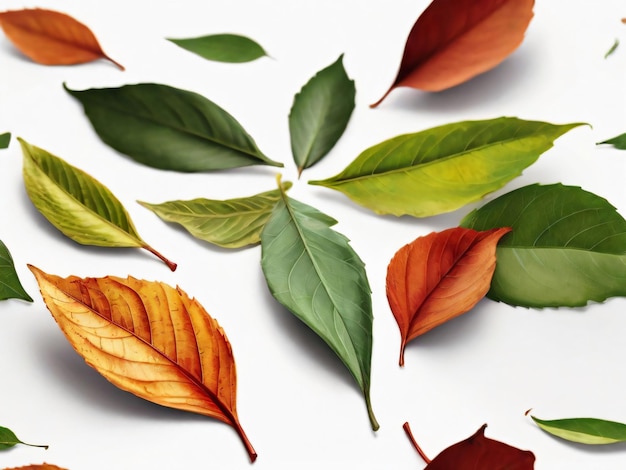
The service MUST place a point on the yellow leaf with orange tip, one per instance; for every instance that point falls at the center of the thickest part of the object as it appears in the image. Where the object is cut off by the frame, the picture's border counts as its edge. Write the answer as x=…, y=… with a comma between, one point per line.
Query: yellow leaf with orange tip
x=43, y=466
x=149, y=339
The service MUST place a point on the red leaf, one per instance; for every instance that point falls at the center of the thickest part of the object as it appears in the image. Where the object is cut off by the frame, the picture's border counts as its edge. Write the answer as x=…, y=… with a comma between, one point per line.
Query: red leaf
x=439, y=277
x=478, y=452
x=51, y=38
x=455, y=40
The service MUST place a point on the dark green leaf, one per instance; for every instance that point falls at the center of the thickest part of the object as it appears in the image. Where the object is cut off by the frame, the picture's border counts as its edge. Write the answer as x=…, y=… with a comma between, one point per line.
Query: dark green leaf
x=8, y=439
x=442, y=169
x=320, y=114
x=169, y=128
x=5, y=140
x=314, y=272
x=567, y=247
x=584, y=430
x=77, y=204
x=618, y=142
x=222, y=47
x=232, y=223
x=10, y=286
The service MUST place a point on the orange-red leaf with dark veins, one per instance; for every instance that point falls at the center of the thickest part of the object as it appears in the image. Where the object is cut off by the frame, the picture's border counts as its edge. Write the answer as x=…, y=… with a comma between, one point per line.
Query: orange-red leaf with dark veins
x=455, y=40
x=438, y=277
x=50, y=37
x=43, y=466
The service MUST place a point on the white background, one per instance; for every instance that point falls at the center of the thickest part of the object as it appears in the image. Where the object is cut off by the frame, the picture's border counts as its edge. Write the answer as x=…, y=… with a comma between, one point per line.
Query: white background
x=296, y=401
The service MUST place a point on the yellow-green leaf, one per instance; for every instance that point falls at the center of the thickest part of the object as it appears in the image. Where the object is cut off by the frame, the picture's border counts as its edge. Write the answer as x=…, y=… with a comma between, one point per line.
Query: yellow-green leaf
x=584, y=430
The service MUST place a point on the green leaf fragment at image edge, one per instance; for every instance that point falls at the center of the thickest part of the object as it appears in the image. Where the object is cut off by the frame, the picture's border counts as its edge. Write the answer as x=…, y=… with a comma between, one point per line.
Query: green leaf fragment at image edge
x=8, y=439
x=619, y=142
x=231, y=48
x=231, y=223
x=314, y=272
x=169, y=128
x=5, y=140
x=441, y=169
x=320, y=114
x=567, y=246
x=590, y=431
x=10, y=286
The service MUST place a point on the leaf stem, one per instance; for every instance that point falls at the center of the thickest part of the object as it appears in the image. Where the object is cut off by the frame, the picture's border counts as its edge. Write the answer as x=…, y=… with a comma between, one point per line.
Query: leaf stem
x=246, y=442
x=170, y=264
x=116, y=63
x=370, y=412
x=402, y=346
x=407, y=430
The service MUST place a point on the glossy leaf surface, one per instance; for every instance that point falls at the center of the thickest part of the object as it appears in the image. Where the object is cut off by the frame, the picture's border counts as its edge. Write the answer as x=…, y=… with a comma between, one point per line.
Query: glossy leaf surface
x=231, y=223
x=618, y=142
x=232, y=48
x=5, y=140
x=455, y=40
x=169, y=128
x=442, y=169
x=320, y=114
x=10, y=286
x=8, y=439
x=584, y=430
x=77, y=204
x=438, y=277
x=149, y=339
x=51, y=38
x=314, y=272
x=567, y=247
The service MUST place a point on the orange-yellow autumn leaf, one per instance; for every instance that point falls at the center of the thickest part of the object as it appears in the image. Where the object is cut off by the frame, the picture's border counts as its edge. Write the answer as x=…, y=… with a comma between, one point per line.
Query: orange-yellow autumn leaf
x=455, y=40
x=43, y=466
x=51, y=38
x=438, y=277
x=149, y=339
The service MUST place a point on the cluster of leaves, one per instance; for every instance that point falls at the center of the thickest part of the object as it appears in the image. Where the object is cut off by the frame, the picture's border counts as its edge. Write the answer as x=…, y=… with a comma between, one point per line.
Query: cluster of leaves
x=514, y=249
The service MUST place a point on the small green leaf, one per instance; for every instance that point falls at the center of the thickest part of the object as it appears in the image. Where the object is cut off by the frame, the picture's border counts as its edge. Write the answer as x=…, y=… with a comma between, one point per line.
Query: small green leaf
x=320, y=114
x=618, y=142
x=8, y=439
x=442, y=169
x=81, y=207
x=584, y=430
x=612, y=49
x=5, y=140
x=231, y=48
x=231, y=223
x=168, y=128
x=567, y=246
x=10, y=286
x=314, y=272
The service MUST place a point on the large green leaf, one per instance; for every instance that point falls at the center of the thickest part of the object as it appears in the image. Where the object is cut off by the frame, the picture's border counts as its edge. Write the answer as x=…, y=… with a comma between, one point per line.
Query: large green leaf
x=222, y=47
x=5, y=140
x=231, y=223
x=567, y=247
x=169, y=128
x=314, y=272
x=77, y=204
x=320, y=114
x=584, y=430
x=441, y=169
x=10, y=286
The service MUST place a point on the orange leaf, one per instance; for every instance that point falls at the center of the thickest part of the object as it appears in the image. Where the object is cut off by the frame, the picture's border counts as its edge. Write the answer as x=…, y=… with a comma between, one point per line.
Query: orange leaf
x=43, y=466
x=51, y=38
x=439, y=277
x=149, y=339
x=455, y=40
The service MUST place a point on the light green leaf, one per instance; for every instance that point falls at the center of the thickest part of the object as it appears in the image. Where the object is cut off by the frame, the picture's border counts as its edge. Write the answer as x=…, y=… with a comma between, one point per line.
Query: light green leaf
x=10, y=286
x=612, y=48
x=8, y=439
x=77, y=204
x=222, y=47
x=442, y=169
x=567, y=247
x=5, y=140
x=584, y=430
x=320, y=114
x=231, y=223
x=619, y=142
x=314, y=272
x=168, y=128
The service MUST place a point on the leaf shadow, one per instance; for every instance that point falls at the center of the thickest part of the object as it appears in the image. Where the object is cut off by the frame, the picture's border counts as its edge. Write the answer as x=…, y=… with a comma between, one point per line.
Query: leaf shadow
x=84, y=384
